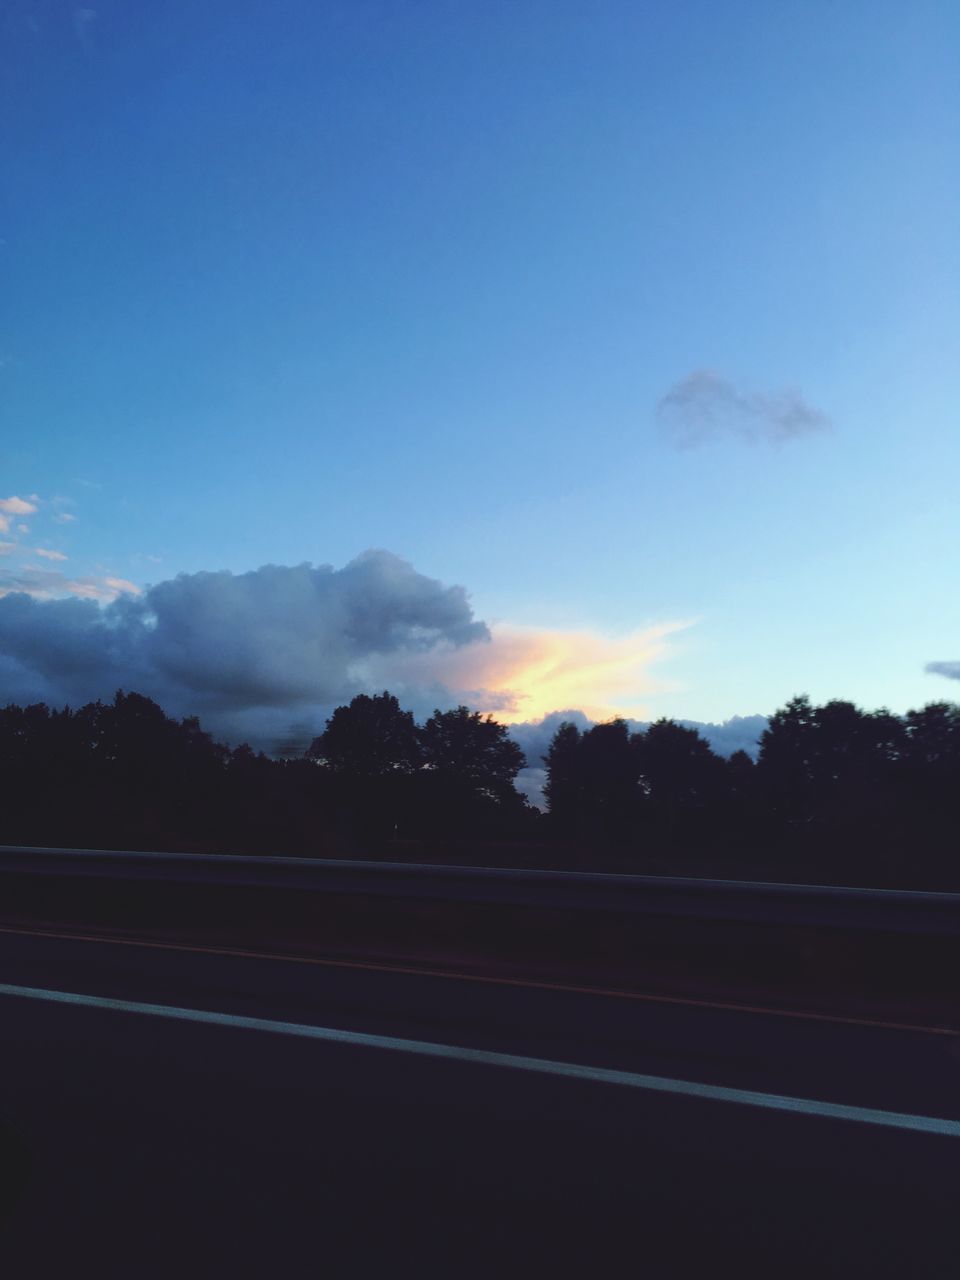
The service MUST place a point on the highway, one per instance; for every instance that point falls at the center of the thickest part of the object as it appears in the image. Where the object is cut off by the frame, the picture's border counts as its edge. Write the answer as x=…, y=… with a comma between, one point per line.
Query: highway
x=238, y=1115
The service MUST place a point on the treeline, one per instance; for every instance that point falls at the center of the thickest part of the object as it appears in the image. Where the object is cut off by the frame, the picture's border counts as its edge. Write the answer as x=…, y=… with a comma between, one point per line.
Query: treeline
x=835, y=793
x=125, y=775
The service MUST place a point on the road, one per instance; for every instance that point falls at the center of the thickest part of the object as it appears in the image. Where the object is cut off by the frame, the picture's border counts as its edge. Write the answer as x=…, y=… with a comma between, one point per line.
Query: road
x=158, y=1146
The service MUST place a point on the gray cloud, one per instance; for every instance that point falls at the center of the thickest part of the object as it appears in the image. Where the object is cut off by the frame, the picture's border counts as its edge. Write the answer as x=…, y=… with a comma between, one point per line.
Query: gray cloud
x=256, y=655
x=265, y=656
x=949, y=669
x=705, y=405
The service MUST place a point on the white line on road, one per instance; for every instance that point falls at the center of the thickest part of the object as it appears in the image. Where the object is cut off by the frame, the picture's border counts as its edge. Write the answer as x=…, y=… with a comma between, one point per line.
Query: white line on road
x=490, y=1058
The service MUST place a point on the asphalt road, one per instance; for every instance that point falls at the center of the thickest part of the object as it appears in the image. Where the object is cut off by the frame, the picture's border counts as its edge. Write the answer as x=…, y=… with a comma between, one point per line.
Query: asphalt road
x=137, y=1145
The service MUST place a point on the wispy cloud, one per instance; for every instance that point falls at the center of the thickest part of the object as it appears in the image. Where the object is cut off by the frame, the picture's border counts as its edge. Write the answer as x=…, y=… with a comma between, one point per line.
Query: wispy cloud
x=949, y=669
x=7, y=548
x=49, y=554
x=52, y=585
x=64, y=517
x=705, y=405
x=523, y=673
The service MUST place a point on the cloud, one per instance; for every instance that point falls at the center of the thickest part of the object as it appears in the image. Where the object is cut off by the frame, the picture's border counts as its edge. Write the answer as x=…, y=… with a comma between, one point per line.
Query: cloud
x=64, y=517
x=48, y=554
x=120, y=585
x=949, y=669
x=257, y=650
x=267, y=655
x=7, y=547
x=50, y=584
x=14, y=506
x=526, y=672
x=705, y=405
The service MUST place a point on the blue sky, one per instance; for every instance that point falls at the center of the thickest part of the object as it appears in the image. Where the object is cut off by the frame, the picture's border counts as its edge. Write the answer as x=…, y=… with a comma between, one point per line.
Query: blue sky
x=282, y=282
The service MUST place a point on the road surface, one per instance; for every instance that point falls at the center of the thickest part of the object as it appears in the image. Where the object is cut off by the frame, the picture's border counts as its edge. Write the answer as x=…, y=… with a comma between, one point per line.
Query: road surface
x=453, y=1128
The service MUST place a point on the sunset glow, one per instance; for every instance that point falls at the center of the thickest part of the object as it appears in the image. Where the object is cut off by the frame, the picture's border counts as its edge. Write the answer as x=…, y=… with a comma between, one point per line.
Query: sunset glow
x=544, y=671
x=524, y=673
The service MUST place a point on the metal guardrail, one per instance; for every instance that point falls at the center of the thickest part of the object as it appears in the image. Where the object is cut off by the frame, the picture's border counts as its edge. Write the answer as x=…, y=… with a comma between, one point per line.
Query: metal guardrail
x=828, y=906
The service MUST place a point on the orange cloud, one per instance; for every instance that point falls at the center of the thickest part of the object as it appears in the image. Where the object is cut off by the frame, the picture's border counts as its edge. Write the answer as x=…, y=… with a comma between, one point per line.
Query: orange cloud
x=541, y=671
x=524, y=673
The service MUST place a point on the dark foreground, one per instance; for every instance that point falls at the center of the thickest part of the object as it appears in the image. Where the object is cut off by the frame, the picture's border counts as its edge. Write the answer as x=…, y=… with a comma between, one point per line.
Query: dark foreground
x=137, y=1146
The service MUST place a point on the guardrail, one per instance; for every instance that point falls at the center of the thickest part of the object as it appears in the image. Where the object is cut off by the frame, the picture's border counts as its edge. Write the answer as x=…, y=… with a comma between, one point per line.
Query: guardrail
x=828, y=906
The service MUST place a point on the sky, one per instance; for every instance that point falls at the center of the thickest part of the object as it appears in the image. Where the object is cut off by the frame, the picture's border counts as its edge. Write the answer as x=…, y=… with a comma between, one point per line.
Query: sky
x=543, y=355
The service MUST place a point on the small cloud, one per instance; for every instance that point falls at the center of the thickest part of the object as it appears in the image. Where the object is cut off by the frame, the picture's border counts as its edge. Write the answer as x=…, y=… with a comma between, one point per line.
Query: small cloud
x=949, y=669
x=48, y=554
x=23, y=528
x=14, y=506
x=119, y=585
x=64, y=517
x=7, y=547
x=705, y=405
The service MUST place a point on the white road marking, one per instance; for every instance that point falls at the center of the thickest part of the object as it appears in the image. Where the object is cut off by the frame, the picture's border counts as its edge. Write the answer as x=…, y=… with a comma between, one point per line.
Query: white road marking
x=486, y=1057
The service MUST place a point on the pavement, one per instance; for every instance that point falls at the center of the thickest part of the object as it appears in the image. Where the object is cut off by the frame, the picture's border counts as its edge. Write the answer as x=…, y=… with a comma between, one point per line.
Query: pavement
x=176, y=1112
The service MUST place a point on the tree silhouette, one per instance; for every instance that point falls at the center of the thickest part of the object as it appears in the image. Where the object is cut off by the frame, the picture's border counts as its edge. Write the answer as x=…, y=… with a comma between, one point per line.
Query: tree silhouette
x=563, y=790
x=856, y=796
x=473, y=748
x=683, y=783
x=371, y=748
x=466, y=787
x=591, y=782
x=370, y=738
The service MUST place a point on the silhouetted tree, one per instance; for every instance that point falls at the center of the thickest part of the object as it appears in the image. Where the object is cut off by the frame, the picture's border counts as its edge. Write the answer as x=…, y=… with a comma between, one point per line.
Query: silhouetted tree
x=591, y=784
x=683, y=783
x=838, y=791
x=370, y=738
x=466, y=788
x=472, y=748
x=563, y=789
x=929, y=792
